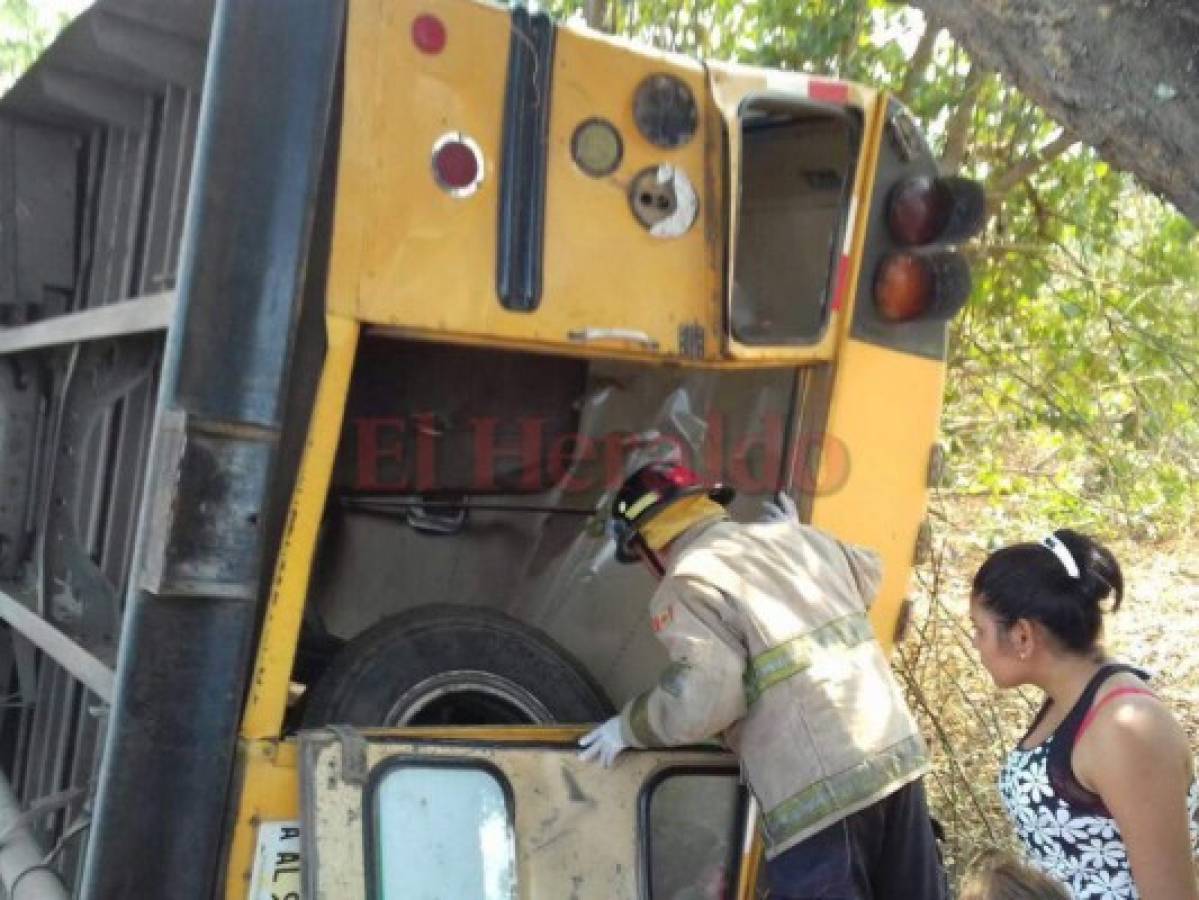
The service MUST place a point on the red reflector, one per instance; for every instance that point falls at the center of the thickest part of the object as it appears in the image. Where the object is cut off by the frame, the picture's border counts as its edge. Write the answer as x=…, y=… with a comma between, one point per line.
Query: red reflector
x=457, y=164
x=828, y=91
x=839, y=285
x=428, y=33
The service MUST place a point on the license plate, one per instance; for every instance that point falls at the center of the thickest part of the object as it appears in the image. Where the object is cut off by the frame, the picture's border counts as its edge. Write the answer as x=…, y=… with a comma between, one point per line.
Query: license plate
x=277, y=862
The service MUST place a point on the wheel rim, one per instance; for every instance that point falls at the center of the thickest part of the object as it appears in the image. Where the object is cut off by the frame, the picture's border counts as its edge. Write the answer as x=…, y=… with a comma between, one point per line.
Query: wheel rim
x=467, y=697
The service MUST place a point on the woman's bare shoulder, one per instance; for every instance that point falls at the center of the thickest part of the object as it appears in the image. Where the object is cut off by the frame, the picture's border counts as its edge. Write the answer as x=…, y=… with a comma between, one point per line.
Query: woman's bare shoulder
x=1129, y=729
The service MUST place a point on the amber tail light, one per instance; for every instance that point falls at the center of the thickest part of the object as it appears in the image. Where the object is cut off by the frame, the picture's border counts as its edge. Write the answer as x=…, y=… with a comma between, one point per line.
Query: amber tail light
x=921, y=283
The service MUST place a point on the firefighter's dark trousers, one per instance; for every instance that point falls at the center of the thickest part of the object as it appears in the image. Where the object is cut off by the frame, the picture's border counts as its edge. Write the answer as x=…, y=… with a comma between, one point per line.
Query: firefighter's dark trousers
x=884, y=852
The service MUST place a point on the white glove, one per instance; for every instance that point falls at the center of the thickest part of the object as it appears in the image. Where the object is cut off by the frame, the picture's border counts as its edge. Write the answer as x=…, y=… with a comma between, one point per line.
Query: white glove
x=780, y=509
x=603, y=744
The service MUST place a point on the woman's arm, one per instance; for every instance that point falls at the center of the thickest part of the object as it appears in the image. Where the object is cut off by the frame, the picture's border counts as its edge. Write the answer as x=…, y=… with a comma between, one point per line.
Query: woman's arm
x=1135, y=756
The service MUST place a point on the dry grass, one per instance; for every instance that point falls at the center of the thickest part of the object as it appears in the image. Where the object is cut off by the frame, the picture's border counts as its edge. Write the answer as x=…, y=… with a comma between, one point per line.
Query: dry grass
x=971, y=726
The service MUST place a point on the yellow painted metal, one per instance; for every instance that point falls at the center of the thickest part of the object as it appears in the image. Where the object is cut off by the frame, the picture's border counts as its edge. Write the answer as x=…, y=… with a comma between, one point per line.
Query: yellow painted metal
x=270, y=791
x=874, y=472
x=414, y=257
x=882, y=423
x=409, y=256
x=731, y=84
x=752, y=857
x=874, y=111
x=281, y=627
x=270, y=782
x=563, y=847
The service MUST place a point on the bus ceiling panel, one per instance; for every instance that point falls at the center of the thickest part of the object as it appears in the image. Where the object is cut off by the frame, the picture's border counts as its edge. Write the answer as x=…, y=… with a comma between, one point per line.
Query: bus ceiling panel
x=38, y=179
x=170, y=175
x=20, y=402
x=127, y=51
x=115, y=252
x=86, y=97
x=126, y=46
x=190, y=19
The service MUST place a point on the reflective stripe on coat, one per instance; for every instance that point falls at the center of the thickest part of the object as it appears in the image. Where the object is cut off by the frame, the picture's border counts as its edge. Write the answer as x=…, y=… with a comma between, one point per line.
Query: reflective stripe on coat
x=765, y=625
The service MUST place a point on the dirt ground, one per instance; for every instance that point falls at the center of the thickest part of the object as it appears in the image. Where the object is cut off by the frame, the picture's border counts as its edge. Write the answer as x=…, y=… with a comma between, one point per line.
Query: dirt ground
x=971, y=726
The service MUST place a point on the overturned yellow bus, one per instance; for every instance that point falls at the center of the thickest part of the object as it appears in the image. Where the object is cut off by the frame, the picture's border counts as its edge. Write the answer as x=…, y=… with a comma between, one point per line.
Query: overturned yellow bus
x=329, y=330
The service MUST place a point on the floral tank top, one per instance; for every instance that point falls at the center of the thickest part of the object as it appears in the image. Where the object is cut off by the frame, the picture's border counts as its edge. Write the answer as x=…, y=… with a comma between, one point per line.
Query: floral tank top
x=1066, y=830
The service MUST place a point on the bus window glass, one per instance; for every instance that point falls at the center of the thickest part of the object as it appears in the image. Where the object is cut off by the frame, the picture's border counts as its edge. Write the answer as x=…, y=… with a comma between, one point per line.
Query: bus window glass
x=443, y=831
x=694, y=836
x=797, y=165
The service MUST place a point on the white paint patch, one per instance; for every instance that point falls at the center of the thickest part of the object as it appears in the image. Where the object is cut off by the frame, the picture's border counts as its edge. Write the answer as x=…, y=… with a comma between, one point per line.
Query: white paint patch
x=686, y=204
x=787, y=83
x=849, y=223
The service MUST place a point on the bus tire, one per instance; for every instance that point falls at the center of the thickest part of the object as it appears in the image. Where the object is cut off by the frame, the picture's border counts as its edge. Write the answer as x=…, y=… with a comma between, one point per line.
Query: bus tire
x=449, y=665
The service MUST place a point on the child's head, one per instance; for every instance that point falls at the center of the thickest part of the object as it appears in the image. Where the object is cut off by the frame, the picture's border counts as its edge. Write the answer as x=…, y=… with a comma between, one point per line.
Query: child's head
x=999, y=877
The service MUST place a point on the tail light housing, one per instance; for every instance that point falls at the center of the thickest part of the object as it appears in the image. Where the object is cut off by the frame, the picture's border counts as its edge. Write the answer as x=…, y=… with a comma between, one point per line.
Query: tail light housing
x=928, y=279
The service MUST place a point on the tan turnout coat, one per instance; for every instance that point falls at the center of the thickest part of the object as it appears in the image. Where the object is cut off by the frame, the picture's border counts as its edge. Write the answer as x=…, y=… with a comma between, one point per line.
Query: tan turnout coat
x=766, y=629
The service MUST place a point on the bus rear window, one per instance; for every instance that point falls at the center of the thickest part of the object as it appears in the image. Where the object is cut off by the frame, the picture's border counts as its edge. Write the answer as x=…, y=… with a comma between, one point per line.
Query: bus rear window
x=796, y=178
x=443, y=830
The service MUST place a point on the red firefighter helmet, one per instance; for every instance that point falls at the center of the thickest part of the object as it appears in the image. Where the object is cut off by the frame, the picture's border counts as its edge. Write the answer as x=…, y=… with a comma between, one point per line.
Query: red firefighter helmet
x=650, y=490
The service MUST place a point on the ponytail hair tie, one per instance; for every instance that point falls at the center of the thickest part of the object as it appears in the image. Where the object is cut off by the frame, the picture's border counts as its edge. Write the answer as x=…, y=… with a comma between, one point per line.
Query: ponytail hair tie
x=1062, y=552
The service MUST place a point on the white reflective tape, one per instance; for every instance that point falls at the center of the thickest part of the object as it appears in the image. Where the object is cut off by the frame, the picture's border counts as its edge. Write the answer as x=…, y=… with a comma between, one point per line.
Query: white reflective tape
x=849, y=220
x=787, y=83
x=277, y=862
x=642, y=504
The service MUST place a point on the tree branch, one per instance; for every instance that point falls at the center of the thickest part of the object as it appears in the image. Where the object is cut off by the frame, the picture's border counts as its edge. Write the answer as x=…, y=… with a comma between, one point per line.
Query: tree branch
x=918, y=64
x=999, y=185
x=596, y=14
x=849, y=45
x=958, y=130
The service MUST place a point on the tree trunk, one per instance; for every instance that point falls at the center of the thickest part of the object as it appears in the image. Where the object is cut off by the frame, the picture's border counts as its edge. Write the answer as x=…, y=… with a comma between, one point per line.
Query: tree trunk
x=1122, y=75
x=596, y=14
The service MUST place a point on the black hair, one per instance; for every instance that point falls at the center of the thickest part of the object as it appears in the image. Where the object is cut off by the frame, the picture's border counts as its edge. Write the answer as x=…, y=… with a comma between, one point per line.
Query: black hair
x=1029, y=581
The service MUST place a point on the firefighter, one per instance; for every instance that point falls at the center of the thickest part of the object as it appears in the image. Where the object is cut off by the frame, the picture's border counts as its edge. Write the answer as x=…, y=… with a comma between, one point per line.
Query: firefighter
x=770, y=648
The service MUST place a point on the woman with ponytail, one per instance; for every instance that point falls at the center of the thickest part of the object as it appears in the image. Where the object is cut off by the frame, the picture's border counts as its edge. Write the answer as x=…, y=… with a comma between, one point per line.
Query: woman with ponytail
x=1102, y=787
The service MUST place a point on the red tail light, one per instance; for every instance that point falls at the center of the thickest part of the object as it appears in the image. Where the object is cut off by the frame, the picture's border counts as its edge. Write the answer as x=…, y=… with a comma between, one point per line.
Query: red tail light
x=933, y=284
x=924, y=210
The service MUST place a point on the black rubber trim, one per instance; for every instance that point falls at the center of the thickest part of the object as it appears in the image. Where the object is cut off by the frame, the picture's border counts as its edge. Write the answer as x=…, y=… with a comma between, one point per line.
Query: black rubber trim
x=521, y=244
x=644, y=809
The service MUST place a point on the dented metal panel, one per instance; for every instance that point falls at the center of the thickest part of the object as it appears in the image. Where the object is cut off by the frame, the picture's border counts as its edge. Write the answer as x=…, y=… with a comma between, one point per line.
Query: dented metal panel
x=529, y=449
x=581, y=831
